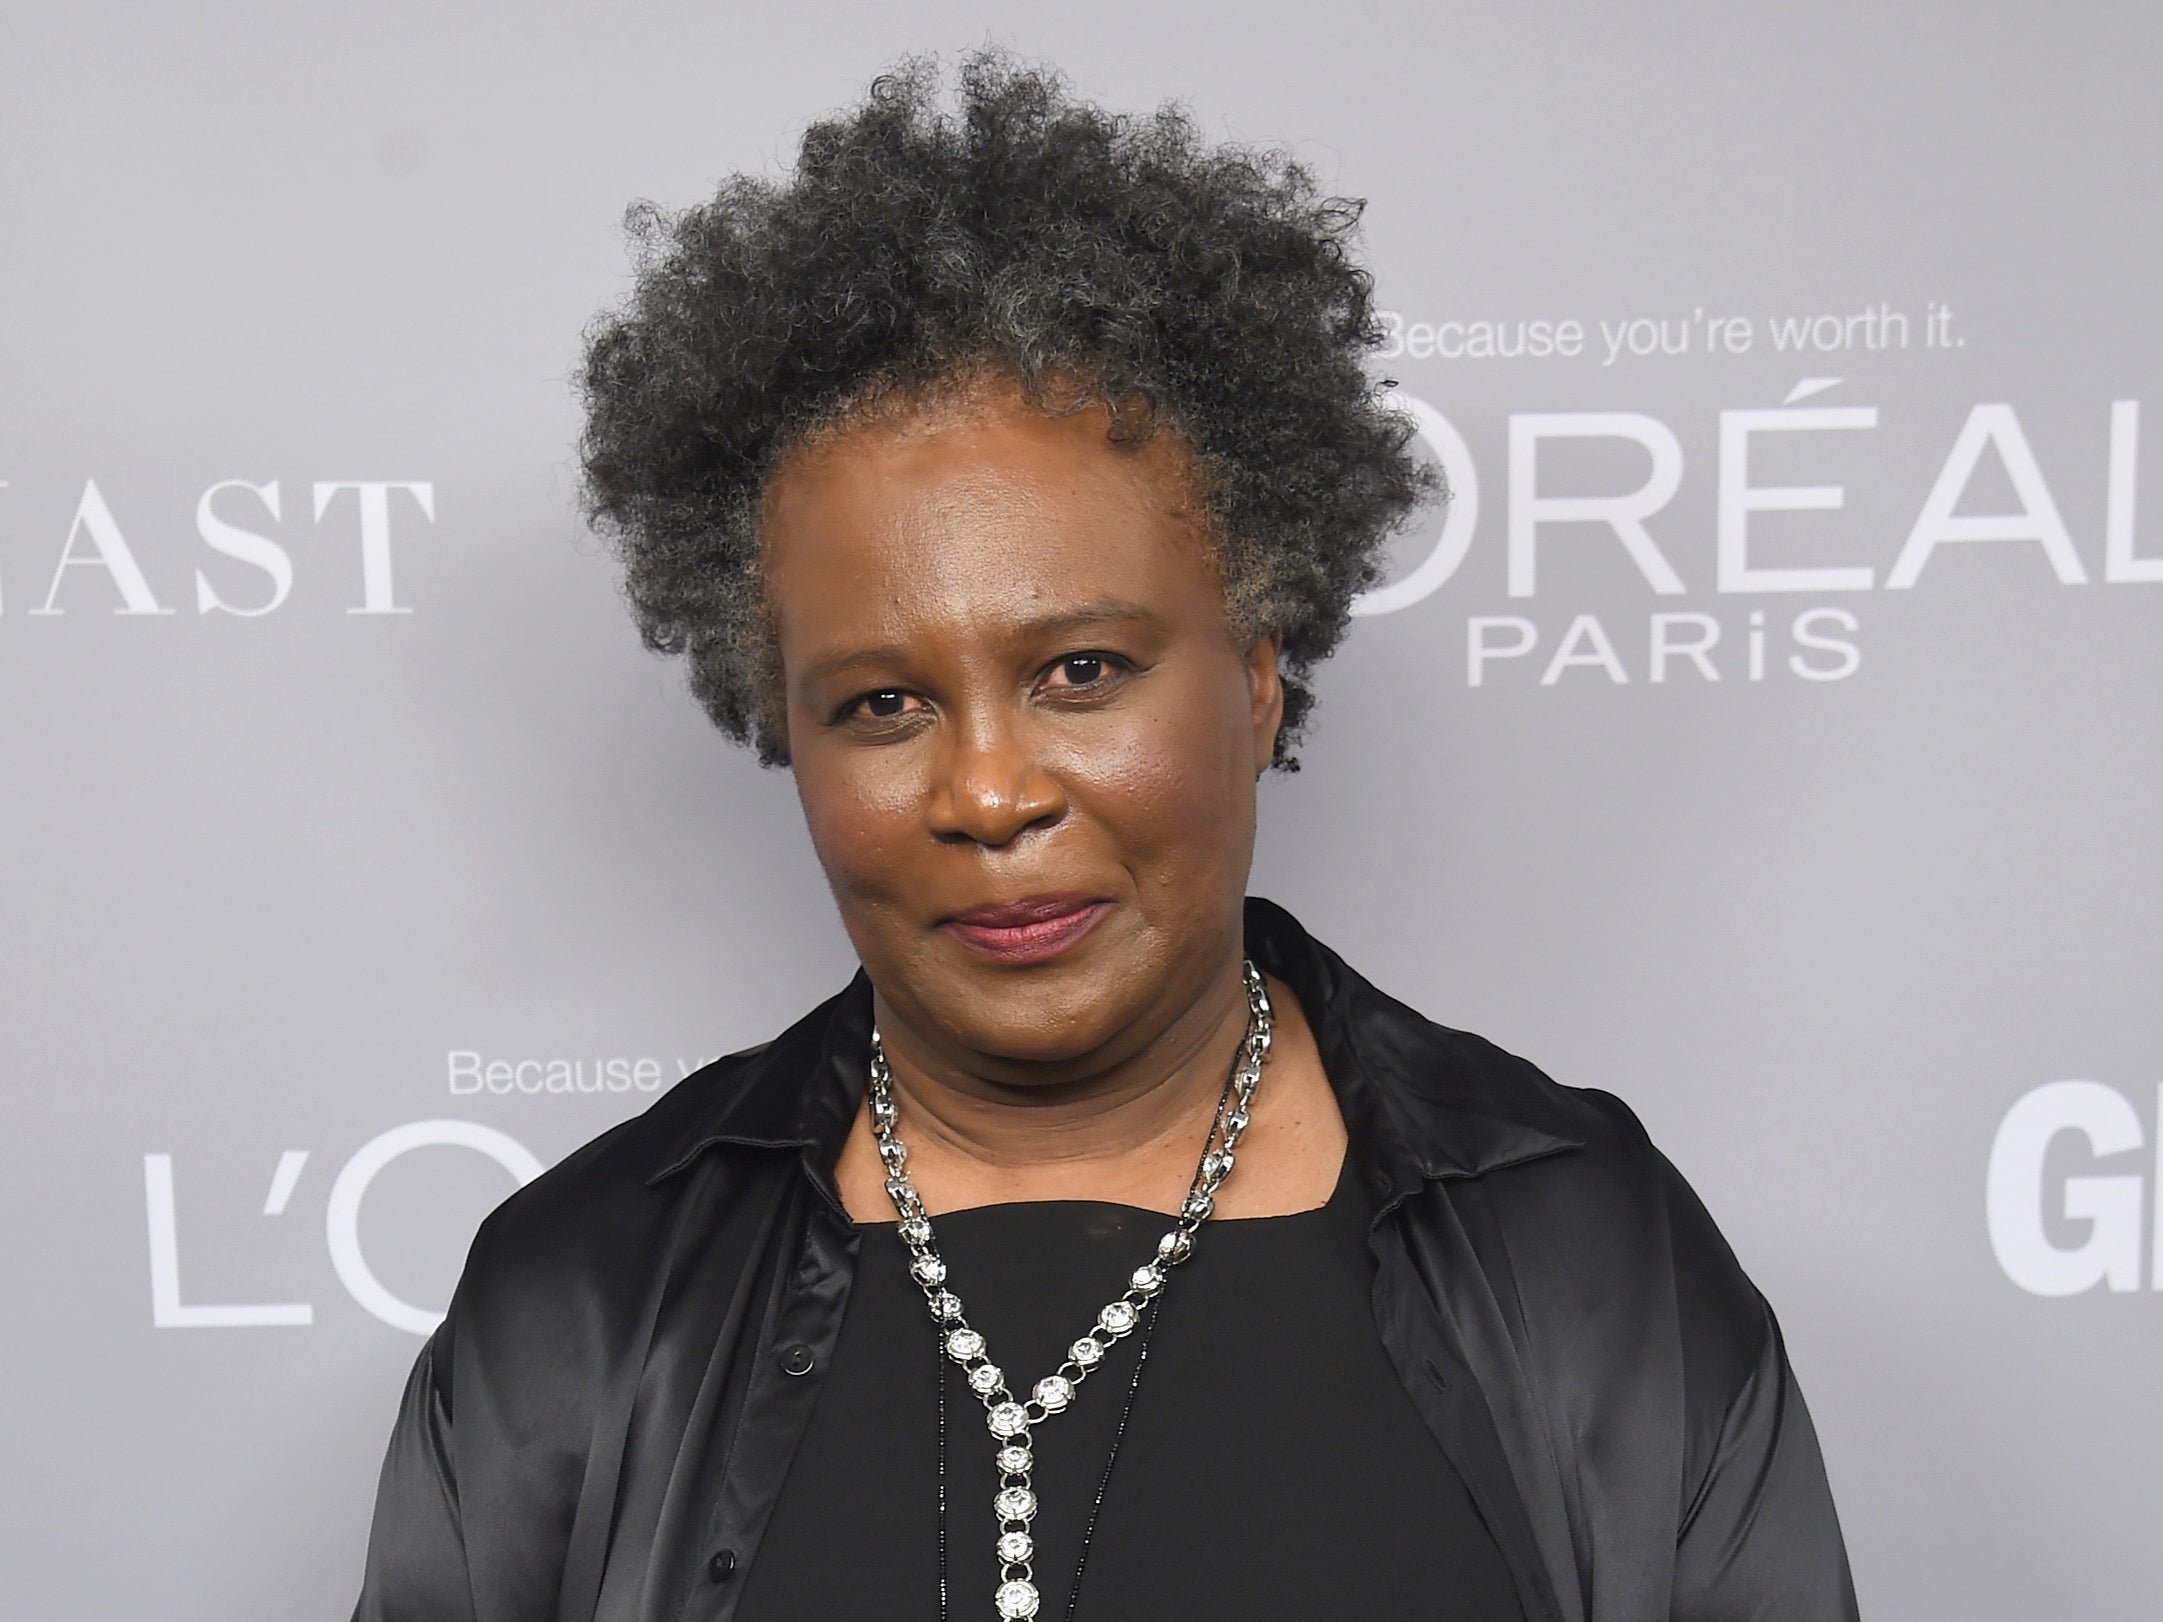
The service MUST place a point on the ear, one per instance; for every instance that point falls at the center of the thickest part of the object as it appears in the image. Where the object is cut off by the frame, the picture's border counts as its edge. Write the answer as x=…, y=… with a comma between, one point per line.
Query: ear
x=1265, y=699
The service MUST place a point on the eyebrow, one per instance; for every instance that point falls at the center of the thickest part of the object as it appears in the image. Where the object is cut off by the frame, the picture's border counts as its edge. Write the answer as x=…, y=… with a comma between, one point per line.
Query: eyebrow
x=1102, y=611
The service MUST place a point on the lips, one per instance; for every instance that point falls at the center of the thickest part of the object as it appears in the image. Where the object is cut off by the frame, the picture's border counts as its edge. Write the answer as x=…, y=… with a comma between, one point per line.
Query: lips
x=1029, y=930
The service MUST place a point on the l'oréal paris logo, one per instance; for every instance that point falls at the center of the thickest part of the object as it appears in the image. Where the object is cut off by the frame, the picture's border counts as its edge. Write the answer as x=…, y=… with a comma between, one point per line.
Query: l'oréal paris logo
x=1753, y=619
x=224, y=1187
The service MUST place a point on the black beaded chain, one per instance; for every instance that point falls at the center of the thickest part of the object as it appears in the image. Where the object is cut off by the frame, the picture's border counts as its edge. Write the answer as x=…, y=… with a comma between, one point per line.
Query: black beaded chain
x=1096, y=1506
x=1126, y=1412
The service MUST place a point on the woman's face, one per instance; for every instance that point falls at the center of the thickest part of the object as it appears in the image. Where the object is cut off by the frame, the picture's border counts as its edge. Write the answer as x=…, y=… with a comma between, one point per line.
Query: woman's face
x=1011, y=684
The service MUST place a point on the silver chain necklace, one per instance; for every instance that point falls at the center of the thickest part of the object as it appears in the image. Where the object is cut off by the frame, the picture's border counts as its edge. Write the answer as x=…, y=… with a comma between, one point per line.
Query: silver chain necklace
x=1011, y=1422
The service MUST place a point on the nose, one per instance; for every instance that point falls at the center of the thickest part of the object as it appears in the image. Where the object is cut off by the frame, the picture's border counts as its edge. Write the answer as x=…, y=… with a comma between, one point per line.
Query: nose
x=989, y=786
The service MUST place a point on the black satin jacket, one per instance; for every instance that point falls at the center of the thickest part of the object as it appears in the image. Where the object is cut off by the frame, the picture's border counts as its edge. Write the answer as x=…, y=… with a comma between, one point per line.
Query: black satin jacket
x=600, y=1428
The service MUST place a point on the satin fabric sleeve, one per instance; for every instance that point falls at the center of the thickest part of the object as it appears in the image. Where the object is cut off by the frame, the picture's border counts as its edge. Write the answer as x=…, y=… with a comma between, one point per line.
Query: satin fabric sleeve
x=1761, y=1541
x=416, y=1569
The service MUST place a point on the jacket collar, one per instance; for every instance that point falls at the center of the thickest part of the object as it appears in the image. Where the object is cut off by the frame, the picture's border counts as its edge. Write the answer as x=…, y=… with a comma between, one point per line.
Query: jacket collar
x=1421, y=1102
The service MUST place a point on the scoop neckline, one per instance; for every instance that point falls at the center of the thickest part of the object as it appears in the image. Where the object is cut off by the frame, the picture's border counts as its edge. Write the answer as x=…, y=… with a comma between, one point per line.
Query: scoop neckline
x=1339, y=1190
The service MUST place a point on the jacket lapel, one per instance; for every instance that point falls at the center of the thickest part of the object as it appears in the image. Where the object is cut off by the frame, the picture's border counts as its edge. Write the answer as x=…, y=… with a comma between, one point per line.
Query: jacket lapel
x=1429, y=1111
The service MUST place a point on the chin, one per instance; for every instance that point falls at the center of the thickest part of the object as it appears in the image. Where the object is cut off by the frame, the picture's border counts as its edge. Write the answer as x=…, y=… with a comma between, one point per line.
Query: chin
x=1038, y=1019
x=1043, y=1013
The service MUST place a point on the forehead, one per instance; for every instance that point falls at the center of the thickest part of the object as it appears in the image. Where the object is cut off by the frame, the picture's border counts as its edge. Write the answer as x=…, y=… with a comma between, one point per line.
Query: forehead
x=970, y=509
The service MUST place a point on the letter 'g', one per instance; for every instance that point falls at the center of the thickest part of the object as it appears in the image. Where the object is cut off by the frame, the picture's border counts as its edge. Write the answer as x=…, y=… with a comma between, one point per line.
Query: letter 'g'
x=343, y=1221
x=2110, y=1255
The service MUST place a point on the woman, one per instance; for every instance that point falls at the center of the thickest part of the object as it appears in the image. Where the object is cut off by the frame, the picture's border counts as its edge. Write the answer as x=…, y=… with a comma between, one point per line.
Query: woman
x=1109, y=1247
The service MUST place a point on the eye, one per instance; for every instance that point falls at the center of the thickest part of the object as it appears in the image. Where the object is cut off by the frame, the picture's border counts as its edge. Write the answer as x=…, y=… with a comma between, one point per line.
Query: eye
x=1083, y=670
x=882, y=704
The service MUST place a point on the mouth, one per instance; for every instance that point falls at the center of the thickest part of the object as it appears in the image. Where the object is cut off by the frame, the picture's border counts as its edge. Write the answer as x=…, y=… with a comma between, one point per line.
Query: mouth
x=1029, y=930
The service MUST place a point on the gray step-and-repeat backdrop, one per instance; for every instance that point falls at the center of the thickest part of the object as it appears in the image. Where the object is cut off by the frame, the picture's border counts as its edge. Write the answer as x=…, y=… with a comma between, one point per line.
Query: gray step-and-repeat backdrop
x=1768, y=734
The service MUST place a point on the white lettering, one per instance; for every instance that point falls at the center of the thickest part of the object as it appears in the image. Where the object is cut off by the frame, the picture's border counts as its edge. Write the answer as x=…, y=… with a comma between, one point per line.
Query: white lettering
x=245, y=545
x=167, y=1310
x=2119, y=563
x=1697, y=651
x=1997, y=427
x=374, y=500
x=1739, y=498
x=1597, y=650
x=342, y=1224
x=468, y=1072
x=465, y=1071
x=284, y=1180
x=1625, y=514
x=95, y=519
x=2110, y=1255
x=1805, y=632
x=1478, y=650
x=1459, y=517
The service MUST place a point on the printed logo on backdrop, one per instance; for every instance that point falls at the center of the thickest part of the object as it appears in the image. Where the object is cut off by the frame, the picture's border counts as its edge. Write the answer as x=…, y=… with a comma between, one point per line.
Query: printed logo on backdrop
x=239, y=560
x=1811, y=628
x=2073, y=1196
x=173, y=1307
x=503, y=1163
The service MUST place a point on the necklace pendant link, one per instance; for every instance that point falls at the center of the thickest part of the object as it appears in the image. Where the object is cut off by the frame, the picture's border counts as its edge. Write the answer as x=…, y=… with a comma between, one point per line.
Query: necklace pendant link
x=1053, y=1393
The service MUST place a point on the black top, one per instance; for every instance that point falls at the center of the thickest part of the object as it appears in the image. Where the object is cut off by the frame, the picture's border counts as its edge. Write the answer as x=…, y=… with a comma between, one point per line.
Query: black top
x=603, y=1426
x=1272, y=1465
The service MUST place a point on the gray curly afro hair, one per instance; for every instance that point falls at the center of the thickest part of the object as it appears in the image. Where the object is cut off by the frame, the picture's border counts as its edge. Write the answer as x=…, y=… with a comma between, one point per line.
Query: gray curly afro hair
x=1205, y=290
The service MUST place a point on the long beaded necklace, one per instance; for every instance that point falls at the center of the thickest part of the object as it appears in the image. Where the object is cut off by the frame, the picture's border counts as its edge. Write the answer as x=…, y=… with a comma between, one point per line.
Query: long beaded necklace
x=1148, y=1330
x=1012, y=1423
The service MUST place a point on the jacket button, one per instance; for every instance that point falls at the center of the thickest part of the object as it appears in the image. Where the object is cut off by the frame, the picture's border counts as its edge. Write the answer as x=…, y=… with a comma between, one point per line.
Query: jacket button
x=796, y=1359
x=721, y=1566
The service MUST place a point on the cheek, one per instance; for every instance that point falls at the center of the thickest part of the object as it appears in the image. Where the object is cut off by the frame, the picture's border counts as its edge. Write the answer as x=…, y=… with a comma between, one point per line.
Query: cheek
x=862, y=822
x=1173, y=786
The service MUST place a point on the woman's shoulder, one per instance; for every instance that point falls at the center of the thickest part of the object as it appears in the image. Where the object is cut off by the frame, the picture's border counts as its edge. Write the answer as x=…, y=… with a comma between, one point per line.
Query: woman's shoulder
x=1561, y=1185
x=1599, y=1225
x=1577, y=1154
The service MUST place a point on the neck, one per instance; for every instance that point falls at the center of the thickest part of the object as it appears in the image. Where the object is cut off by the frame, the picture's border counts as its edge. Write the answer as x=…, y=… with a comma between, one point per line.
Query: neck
x=1126, y=1127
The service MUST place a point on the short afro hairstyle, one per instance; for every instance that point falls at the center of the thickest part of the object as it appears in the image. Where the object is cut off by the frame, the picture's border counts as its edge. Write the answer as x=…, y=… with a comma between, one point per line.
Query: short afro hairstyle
x=1096, y=258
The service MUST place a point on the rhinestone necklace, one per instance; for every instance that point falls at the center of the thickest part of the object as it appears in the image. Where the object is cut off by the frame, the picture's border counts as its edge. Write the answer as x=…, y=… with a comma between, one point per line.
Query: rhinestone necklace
x=1151, y=1323
x=1011, y=1422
